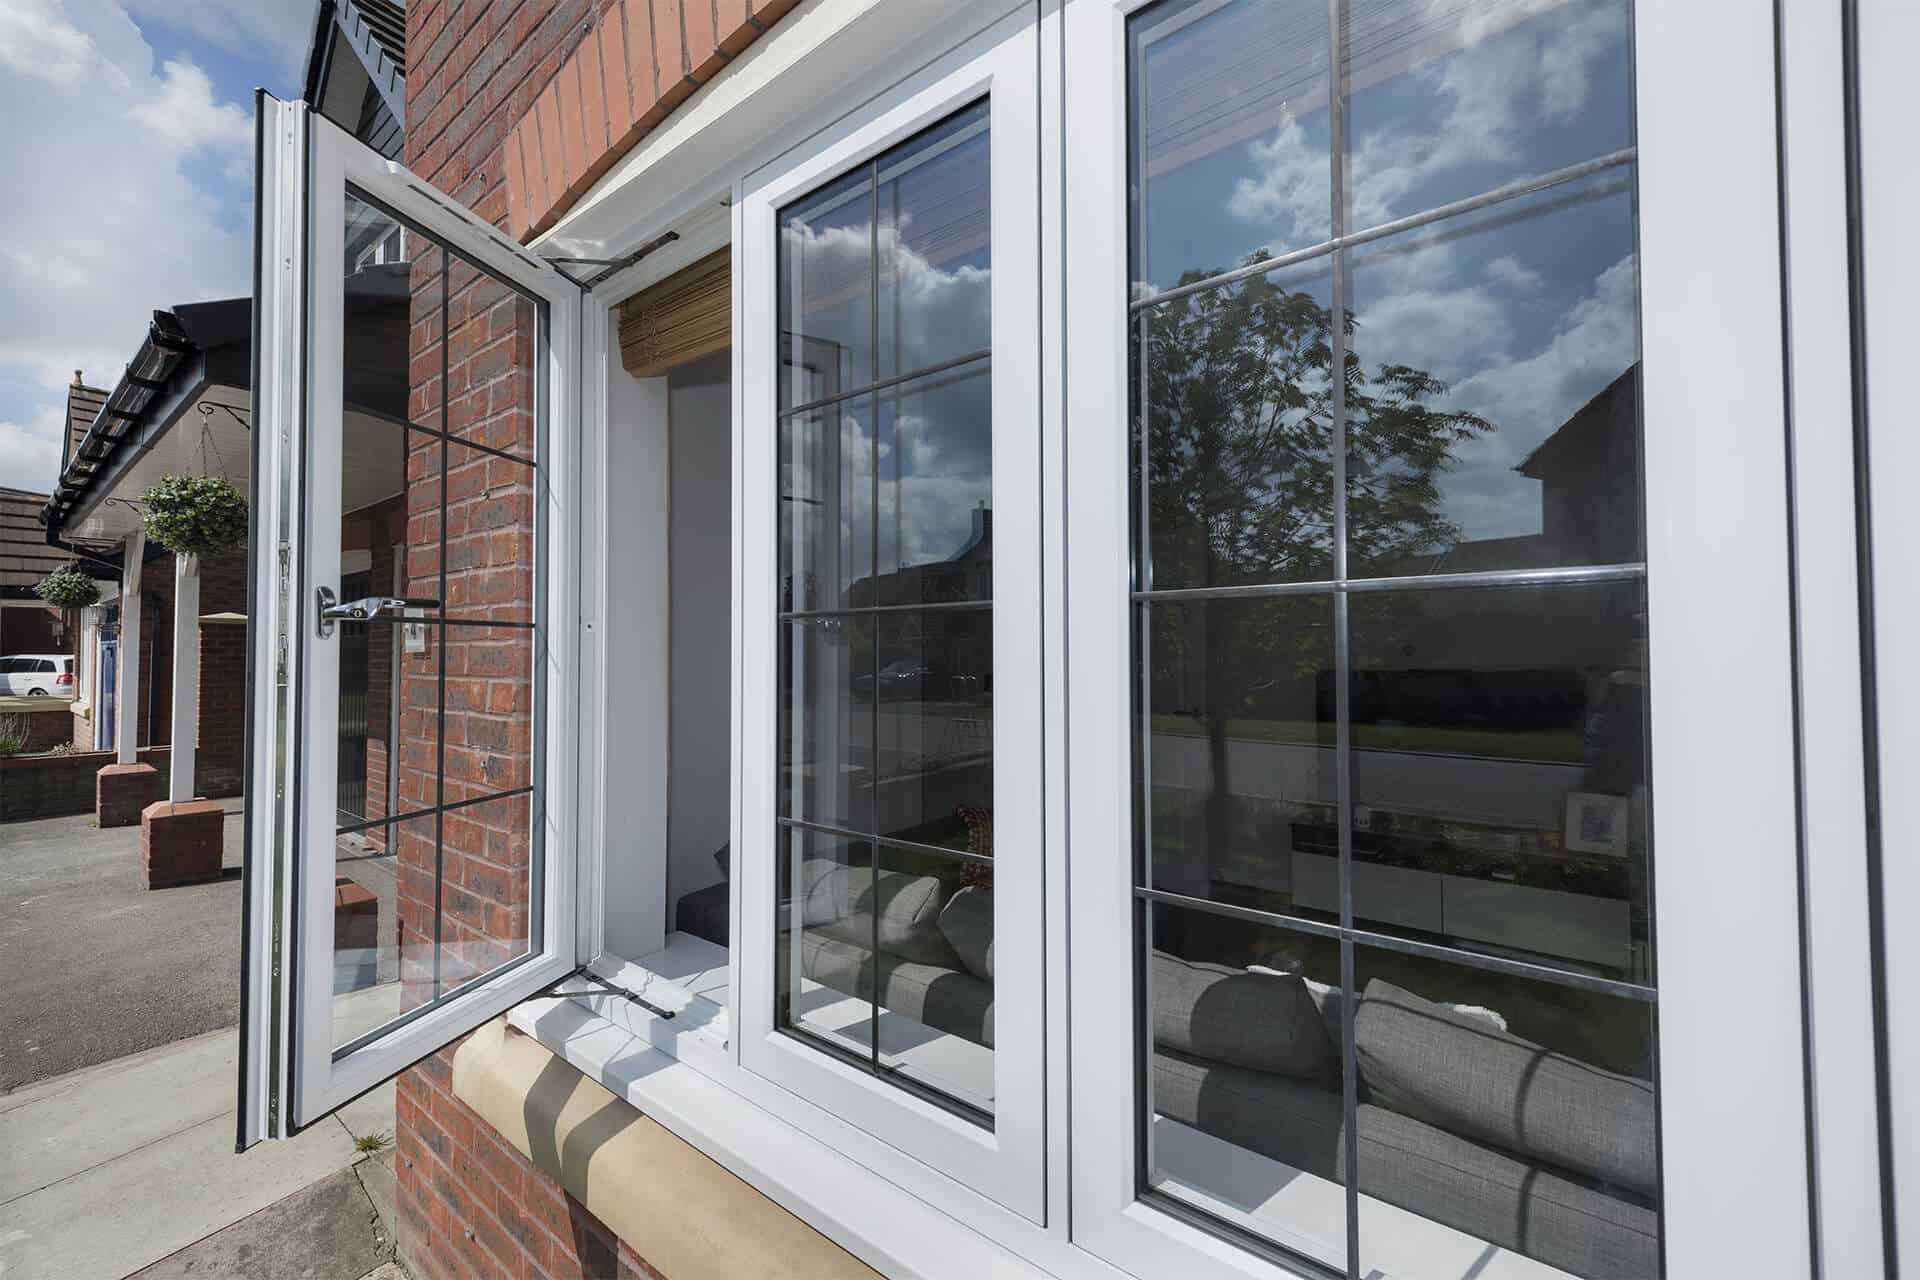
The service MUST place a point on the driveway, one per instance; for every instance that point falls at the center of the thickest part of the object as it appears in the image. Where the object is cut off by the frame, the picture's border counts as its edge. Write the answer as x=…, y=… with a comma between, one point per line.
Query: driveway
x=98, y=967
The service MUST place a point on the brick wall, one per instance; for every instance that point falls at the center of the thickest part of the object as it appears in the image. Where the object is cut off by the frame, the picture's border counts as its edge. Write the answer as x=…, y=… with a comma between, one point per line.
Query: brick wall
x=220, y=762
x=514, y=107
x=470, y=1206
x=223, y=589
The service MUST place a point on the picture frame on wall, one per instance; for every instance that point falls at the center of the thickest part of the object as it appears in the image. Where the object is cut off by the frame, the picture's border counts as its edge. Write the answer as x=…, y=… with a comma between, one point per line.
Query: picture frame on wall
x=1596, y=823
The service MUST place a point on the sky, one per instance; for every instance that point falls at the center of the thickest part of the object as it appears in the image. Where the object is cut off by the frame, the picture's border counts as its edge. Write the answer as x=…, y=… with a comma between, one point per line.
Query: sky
x=129, y=163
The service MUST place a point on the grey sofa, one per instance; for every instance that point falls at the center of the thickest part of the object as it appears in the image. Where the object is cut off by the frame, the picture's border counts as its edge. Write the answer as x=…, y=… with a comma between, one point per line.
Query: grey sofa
x=1458, y=1120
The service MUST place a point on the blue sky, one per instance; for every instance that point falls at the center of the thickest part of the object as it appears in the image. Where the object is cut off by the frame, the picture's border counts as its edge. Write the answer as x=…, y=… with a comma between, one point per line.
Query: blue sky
x=130, y=188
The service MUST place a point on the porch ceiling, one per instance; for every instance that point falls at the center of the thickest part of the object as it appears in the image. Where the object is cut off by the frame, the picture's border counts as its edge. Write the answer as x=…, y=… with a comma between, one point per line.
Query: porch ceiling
x=208, y=440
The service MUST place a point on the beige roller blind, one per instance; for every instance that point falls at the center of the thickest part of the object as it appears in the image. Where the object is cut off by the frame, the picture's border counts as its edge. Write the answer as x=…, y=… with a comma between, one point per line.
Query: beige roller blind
x=685, y=316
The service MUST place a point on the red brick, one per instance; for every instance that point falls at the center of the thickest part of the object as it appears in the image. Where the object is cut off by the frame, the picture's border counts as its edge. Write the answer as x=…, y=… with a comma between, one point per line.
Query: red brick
x=735, y=26
x=611, y=36
x=593, y=98
x=704, y=55
x=573, y=134
x=670, y=54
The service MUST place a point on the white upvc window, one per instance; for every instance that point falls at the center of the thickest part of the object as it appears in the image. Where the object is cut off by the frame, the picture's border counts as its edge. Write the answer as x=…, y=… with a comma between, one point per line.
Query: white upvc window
x=889, y=595
x=1166, y=784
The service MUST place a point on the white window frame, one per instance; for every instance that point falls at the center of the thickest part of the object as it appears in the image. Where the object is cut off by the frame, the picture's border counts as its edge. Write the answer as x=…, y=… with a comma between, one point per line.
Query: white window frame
x=1006, y=1162
x=1722, y=714
x=294, y=1077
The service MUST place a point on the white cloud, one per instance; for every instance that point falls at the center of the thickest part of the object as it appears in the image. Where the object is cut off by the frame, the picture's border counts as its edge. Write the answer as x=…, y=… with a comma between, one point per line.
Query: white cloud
x=278, y=30
x=36, y=41
x=1509, y=271
x=30, y=452
x=105, y=221
x=185, y=114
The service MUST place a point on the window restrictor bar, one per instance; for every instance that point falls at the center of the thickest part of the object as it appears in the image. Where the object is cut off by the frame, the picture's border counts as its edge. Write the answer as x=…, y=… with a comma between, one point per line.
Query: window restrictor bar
x=608, y=266
x=600, y=986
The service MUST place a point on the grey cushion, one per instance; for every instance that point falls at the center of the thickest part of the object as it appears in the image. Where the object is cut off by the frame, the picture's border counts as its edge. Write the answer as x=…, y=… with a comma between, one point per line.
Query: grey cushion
x=1496, y=1197
x=945, y=999
x=704, y=913
x=967, y=923
x=840, y=900
x=1261, y=1021
x=1459, y=1073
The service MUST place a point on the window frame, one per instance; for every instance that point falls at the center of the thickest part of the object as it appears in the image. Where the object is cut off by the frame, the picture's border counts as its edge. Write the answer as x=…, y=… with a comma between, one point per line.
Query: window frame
x=1717, y=536
x=293, y=1075
x=1007, y=1162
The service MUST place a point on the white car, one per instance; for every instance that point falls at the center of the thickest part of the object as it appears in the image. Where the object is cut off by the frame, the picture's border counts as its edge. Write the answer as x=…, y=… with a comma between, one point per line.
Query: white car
x=37, y=674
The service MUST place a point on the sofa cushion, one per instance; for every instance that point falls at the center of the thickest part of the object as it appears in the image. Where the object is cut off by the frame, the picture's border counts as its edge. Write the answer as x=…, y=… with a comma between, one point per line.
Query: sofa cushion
x=1260, y=1021
x=1489, y=1194
x=946, y=999
x=967, y=924
x=839, y=902
x=1459, y=1073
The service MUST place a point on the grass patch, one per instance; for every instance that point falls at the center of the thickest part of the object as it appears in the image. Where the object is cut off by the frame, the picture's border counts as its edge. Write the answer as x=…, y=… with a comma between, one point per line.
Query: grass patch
x=372, y=1142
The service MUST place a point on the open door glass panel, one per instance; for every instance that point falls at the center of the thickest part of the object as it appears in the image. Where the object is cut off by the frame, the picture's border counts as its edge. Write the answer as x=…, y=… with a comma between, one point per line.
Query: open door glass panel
x=421, y=501
x=434, y=848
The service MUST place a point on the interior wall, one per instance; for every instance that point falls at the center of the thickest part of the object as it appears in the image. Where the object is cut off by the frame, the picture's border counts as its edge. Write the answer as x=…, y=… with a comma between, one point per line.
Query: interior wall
x=635, y=659
x=700, y=569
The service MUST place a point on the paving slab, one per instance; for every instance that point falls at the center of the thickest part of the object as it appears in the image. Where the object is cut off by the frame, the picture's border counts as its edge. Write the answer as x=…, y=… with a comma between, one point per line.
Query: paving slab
x=109, y=1221
x=71, y=1124
x=327, y=1231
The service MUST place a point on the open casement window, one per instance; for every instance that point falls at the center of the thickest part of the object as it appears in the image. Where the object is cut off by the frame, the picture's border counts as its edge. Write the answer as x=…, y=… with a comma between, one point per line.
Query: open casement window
x=409, y=855
x=1429, y=609
x=889, y=946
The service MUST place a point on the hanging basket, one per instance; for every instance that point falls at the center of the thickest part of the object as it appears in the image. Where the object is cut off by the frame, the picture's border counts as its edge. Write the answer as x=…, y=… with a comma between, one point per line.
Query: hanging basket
x=68, y=589
x=195, y=515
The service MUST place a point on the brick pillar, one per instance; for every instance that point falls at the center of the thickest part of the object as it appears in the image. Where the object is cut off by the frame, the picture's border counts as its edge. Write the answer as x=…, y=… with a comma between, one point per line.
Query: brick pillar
x=222, y=724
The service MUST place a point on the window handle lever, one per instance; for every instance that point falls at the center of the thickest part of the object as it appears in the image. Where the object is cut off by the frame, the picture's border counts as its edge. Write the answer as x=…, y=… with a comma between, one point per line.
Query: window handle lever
x=366, y=608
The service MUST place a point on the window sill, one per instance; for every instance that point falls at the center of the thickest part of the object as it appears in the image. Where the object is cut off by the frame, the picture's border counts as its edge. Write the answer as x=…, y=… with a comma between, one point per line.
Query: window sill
x=672, y=1075
x=691, y=1217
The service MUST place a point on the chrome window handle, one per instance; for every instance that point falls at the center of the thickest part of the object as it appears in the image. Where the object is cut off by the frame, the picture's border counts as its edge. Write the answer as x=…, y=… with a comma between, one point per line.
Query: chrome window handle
x=366, y=608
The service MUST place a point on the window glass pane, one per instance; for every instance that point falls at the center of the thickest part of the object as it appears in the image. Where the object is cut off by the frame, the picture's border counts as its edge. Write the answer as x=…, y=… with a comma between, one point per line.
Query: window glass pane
x=1500, y=772
x=824, y=952
x=826, y=291
x=885, y=686
x=934, y=975
x=1447, y=101
x=935, y=300
x=935, y=472
x=932, y=702
x=827, y=684
x=438, y=750
x=1239, y=751
x=1448, y=781
x=1230, y=157
x=1502, y=1116
x=1493, y=406
x=487, y=899
x=1246, y=1121
x=826, y=505
x=1233, y=452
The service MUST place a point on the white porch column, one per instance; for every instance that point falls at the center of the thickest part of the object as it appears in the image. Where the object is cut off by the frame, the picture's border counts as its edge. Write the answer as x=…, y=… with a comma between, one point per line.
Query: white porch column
x=126, y=694
x=186, y=676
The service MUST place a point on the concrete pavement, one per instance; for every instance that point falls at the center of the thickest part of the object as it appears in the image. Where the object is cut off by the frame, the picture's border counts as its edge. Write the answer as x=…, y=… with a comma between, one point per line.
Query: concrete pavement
x=98, y=967
x=130, y=1164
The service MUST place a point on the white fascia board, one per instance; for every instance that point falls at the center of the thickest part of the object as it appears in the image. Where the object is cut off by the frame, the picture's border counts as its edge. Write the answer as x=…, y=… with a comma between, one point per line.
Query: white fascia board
x=816, y=63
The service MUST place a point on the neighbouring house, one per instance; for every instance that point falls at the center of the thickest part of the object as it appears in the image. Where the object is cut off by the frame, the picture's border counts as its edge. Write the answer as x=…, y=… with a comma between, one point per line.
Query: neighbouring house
x=183, y=407
x=27, y=623
x=1085, y=638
